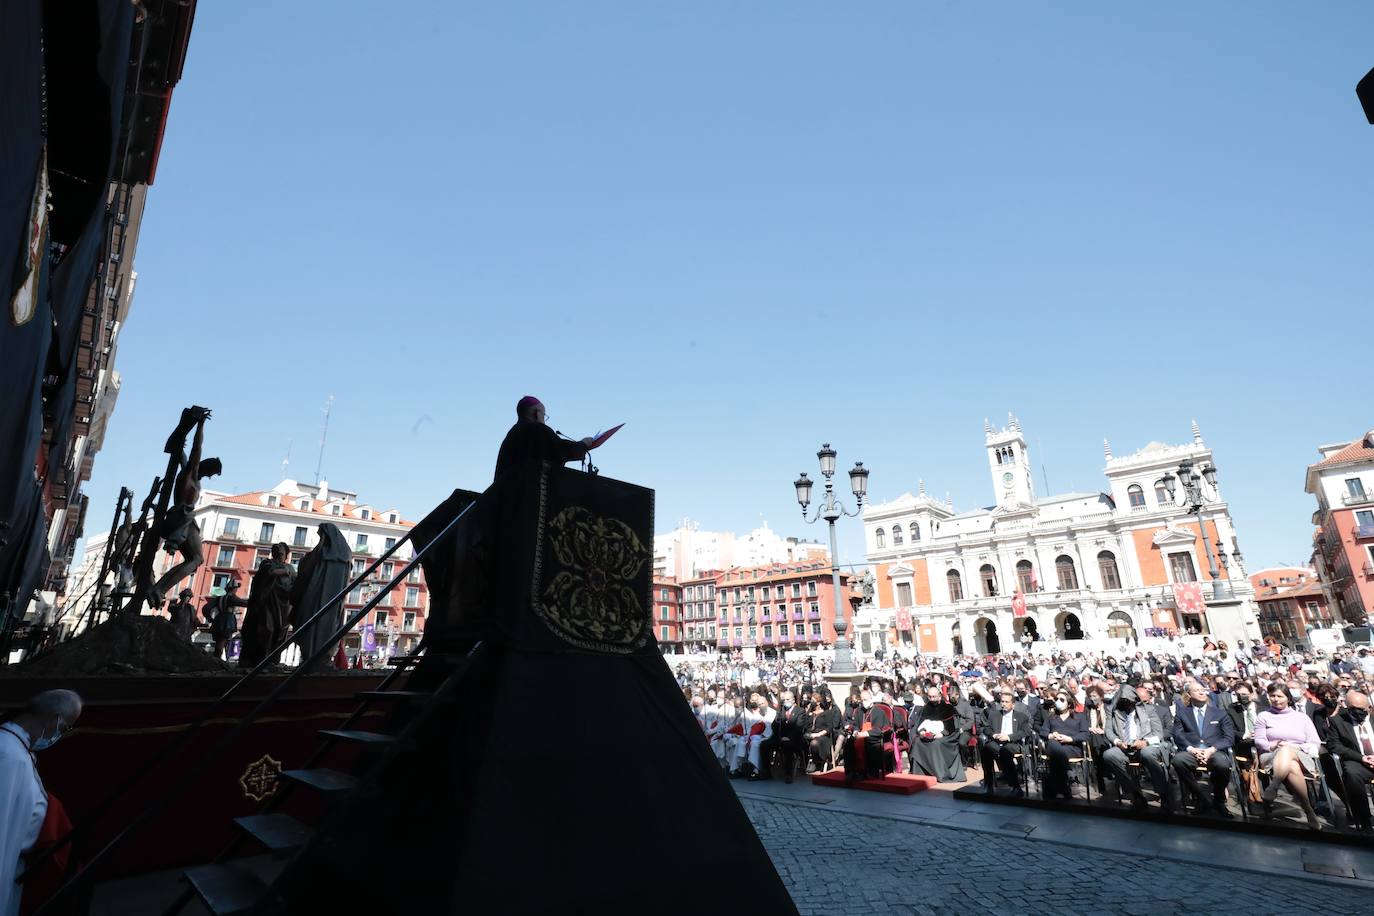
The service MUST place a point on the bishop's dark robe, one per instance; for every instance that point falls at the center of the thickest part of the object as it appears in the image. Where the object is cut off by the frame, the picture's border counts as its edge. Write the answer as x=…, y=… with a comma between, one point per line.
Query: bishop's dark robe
x=865, y=756
x=531, y=441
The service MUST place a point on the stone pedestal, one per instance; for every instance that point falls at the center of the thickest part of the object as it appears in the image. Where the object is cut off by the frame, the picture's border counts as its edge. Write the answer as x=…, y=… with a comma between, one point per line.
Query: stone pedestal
x=839, y=685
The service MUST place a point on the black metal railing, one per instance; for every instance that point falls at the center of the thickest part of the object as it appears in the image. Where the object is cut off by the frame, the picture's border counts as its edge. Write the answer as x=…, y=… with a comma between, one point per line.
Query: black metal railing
x=191, y=773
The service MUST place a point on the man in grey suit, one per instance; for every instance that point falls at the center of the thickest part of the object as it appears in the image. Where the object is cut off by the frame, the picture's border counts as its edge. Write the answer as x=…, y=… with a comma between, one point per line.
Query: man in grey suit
x=1134, y=733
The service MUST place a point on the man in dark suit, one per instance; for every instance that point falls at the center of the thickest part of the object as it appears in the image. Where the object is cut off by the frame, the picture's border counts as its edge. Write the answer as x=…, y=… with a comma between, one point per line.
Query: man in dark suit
x=1350, y=739
x=1004, y=730
x=786, y=739
x=1203, y=736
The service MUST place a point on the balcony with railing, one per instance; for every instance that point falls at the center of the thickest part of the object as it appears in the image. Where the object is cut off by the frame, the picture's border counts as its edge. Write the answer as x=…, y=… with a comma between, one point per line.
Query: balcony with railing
x=1363, y=531
x=1368, y=569
x=231, y=536
x=1358, y=498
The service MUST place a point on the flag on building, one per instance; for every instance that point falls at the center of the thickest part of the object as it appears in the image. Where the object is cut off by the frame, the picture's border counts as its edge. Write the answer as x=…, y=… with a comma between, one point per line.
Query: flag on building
x=904, y=619
x=1188, y=598
x=1018, y=604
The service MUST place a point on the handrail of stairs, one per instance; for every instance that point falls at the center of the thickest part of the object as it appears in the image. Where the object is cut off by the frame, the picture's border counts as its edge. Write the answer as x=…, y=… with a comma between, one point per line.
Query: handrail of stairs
x=194, y=771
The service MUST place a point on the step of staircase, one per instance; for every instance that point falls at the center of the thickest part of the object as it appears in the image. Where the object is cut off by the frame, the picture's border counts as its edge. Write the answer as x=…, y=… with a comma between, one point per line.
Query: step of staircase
x=367, y=739
x=413, y=695
x=280, y=833
x=322, y=779
x=226, y=889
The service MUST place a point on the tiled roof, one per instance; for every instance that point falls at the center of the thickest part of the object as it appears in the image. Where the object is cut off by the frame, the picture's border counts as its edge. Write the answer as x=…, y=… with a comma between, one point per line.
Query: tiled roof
x=1307, y=590
x=289, y=503
x=1355, y=451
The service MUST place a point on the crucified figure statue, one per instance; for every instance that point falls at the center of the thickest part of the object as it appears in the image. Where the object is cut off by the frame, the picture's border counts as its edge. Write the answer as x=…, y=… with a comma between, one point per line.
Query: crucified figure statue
x=178, y=529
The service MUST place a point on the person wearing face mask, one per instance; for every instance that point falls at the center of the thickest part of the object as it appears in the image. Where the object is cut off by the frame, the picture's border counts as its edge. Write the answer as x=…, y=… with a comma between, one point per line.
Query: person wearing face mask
x=786, y=743
x=756, y=730
x=935, y=738
x=821, y=725
x=1004, y=731
x=864, y=752
x=1096, y=709
x=1351, y=743
x=1134, y=734
x=1243, y=712
x=1063, y=731
x=713, y=724
x=26, y=810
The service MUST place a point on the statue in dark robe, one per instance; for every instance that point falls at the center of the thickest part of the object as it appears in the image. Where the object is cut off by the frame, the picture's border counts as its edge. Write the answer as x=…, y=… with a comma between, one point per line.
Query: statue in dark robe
x=323, y=575
x=269, y=604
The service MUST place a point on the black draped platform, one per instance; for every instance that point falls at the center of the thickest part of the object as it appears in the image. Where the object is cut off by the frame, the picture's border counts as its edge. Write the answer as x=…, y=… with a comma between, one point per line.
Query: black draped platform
x=570, y=776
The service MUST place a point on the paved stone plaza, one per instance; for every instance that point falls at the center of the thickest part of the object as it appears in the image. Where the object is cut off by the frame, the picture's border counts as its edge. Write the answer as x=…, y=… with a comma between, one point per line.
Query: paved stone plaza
x=841, y=861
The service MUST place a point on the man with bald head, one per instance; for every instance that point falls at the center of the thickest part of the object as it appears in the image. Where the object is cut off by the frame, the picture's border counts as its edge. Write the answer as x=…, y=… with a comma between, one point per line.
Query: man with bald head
x=1350, y=740
x=23, y=800
x=531, y=439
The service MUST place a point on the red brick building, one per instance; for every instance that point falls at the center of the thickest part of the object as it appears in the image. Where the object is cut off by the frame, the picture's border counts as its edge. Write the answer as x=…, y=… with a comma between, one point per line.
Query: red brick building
x=239, y=530
x=778, y=607
x=668, y=615
x=699, y=612
x=1291, y=602
x=1343, y=545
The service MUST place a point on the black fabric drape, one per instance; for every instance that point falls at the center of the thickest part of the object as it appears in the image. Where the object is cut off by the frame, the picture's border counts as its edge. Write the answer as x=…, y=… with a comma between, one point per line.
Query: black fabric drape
x=500, y=813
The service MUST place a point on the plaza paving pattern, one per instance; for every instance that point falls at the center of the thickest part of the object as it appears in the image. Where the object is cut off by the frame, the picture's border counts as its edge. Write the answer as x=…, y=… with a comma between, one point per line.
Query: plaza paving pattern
x=843, y=862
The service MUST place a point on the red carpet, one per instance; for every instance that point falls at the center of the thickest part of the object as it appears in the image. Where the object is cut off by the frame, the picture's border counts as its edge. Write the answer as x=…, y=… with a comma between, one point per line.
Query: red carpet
x=895, y=783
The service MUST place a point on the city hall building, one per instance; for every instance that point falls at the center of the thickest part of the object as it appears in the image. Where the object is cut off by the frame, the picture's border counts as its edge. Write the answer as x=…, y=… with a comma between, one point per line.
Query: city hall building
x=1111, y=570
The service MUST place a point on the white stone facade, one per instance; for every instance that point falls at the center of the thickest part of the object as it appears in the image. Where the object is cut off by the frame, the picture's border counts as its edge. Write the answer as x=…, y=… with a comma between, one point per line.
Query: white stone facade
x=1094, y=568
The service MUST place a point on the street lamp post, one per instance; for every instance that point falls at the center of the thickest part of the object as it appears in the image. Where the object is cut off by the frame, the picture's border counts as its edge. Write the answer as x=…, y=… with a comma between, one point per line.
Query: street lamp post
x=1194, y=498
x=832, y=510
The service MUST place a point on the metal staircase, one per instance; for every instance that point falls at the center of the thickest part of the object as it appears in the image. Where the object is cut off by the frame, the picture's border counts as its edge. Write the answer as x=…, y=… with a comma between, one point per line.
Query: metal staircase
x=225, y=885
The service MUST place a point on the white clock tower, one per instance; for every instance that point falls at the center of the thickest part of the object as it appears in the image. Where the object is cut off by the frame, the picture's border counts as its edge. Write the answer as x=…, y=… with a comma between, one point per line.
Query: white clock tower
x=1009, y=462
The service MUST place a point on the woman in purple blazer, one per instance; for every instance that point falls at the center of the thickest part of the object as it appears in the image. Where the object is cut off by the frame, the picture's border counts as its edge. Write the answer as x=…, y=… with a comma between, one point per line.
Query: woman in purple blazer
x=1288, y=743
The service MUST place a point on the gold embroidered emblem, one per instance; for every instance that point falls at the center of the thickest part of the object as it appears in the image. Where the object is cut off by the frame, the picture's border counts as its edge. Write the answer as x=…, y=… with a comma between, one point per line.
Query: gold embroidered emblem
x=261, y=777
x=591, y=600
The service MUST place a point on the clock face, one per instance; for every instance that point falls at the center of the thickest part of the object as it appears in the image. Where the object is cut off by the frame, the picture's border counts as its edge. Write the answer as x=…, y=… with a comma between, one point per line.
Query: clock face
x=1006, y=479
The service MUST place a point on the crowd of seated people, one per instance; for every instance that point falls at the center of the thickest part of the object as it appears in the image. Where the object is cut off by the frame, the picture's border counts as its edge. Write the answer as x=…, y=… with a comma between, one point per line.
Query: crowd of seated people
x=1207, y=734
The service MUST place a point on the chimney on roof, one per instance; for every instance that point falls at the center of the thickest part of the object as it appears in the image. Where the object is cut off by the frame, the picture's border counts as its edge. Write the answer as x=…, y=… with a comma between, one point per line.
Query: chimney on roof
x=323, y=494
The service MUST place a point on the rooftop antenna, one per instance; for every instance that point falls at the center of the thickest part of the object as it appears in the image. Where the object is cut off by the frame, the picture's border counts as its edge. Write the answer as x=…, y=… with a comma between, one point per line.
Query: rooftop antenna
x=286, y=462
x=324, y=437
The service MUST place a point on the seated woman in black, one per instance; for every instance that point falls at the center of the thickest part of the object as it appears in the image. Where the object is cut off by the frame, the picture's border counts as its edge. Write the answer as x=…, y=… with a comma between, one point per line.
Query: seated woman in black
x=821, y=724
x=1063, y=731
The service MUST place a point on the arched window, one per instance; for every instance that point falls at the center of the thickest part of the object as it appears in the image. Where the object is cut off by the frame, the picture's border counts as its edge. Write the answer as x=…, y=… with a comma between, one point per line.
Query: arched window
x=1068, y=577
x=989, y=577
x=915, y=531
x=1025, y=576
x=1136, y=496
x=956, y=585
x=1162, y=495
x=882, y=538
x=1120, y=625
x=896, y=535
x=1106, y=565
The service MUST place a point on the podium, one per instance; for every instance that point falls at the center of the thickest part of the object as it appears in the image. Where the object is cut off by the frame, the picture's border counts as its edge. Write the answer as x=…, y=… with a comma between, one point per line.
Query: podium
x=571, y=773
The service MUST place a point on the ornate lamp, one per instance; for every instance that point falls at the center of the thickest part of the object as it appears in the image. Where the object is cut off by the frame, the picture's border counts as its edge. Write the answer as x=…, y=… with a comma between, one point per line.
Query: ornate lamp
x=858, y=480
x=827, y=459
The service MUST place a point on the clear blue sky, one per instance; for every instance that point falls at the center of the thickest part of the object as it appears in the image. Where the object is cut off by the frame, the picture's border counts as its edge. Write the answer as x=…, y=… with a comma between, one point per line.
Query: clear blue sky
x=745, y=228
